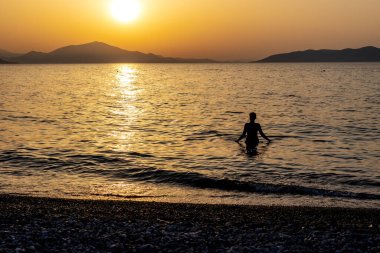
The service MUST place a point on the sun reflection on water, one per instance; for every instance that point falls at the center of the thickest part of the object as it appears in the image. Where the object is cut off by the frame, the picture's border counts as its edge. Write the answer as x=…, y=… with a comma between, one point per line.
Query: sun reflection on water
x=124, y=111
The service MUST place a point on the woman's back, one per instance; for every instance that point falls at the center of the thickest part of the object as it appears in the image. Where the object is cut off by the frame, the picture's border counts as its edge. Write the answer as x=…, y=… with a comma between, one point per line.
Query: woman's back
x=252, y=129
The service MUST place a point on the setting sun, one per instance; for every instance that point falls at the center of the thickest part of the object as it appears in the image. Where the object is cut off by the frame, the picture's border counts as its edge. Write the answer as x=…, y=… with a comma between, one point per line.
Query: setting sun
x=125, y=10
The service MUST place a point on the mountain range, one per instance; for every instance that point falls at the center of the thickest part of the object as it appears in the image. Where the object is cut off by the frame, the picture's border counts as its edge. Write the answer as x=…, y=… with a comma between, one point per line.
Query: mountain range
x=6, y=55
x=364, y=54
x=99, y=52
x=96, y=52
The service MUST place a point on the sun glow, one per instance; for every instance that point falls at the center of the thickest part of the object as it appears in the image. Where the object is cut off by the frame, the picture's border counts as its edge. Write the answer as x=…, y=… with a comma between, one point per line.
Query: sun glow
x=125, y=10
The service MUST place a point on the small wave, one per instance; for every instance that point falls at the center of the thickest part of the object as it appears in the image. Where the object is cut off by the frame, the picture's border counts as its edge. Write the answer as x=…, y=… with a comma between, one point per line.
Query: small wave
x=197, y=180
x=28, y=118
x=60, y=161
x=137, y=154
x=202, y=135
x=209, y=132
x=285, y=136
x=233, y=112
x=324, y=141
x=360, y=182
x=123, y=196
x=122, y=168
x=95, y=158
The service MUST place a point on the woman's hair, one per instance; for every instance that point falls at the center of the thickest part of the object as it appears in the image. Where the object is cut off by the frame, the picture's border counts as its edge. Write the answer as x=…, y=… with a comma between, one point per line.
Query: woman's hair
x=252, y=116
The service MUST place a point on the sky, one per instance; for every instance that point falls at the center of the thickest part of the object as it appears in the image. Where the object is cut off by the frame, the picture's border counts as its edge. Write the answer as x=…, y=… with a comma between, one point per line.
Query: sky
x=217, y=29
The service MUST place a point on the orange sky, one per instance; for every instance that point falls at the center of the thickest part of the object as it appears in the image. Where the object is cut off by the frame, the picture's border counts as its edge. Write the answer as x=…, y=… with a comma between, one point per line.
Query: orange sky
x=219, y=29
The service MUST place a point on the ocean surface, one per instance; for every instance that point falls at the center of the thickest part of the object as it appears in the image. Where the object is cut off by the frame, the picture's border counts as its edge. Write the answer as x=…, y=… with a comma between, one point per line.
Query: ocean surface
x=165, y=132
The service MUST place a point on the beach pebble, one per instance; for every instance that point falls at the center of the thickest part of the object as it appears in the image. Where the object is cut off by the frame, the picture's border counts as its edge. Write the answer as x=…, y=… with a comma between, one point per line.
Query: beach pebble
x=146, y=248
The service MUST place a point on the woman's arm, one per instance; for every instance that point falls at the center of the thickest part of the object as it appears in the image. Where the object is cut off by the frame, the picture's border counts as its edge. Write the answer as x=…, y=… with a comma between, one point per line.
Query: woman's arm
x=243, y=134
x=262, y=134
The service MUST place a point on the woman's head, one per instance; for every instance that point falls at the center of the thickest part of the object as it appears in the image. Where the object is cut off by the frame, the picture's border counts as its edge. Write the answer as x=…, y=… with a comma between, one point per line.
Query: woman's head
x=252, y=116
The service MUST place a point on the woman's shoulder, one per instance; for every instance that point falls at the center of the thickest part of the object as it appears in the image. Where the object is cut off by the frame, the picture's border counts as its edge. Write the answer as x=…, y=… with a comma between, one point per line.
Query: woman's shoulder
x=256, y=125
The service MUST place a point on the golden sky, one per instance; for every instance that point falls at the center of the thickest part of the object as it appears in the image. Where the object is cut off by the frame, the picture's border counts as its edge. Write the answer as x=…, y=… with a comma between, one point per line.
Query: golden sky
x=218, y=29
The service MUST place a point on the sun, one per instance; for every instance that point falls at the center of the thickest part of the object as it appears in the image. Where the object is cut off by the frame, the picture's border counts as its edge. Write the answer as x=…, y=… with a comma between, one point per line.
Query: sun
x=125, y=10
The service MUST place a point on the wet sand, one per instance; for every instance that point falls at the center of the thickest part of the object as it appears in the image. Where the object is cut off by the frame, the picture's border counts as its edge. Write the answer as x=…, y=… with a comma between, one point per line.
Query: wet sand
x=29, y=224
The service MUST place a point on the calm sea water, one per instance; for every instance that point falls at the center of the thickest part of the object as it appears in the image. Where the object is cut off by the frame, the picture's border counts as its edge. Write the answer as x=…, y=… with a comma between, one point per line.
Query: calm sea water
x=165, y=132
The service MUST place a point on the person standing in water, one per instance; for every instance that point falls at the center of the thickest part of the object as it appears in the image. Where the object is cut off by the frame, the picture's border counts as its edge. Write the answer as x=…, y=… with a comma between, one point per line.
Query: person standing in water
x=250, y=132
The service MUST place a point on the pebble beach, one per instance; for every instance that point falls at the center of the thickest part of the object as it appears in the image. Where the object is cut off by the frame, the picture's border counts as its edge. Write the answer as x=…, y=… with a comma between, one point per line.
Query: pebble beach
x=31, y=224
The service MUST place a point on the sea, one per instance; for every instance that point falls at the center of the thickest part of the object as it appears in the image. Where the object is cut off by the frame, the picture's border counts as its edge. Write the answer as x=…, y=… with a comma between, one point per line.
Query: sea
x=166, y=132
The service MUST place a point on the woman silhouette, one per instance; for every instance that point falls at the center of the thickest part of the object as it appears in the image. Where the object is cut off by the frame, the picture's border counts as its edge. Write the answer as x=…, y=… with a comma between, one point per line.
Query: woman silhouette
x=250, y=132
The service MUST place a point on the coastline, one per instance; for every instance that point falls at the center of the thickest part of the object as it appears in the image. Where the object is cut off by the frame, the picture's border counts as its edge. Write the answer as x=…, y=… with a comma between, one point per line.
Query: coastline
x=34, y=224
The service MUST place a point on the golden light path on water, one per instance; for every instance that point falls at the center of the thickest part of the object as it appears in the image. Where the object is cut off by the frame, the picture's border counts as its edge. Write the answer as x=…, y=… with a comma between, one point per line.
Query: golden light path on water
x=125, y=79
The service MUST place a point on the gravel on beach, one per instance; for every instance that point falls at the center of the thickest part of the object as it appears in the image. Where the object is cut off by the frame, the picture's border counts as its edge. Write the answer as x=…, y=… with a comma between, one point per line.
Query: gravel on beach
x=30, y=224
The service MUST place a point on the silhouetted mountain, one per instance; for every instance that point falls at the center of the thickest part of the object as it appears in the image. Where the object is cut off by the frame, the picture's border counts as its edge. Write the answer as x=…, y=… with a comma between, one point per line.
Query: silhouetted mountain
x=98, y=52
x=5, y=62
x=6, y=55
x=365, y=54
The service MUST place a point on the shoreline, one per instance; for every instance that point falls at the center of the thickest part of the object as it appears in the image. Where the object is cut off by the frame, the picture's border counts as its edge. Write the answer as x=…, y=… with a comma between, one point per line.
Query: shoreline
x=37, y=224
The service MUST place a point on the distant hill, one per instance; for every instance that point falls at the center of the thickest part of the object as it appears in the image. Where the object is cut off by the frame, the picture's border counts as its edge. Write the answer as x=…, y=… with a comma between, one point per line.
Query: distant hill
x=5, y=62
x=365, y=54
x=4, y=54
x=98, y=52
